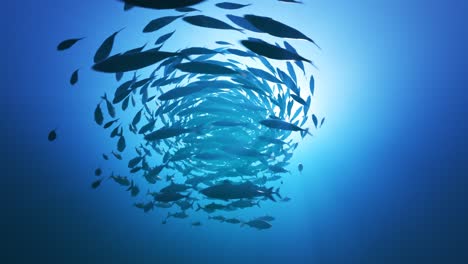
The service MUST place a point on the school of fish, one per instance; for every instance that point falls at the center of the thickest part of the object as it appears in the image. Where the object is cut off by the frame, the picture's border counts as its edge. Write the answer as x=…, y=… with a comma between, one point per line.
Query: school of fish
x=208, y=130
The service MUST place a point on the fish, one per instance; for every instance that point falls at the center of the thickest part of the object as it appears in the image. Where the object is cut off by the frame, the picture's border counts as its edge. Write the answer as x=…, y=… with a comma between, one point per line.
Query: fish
x=68, y=43
x=74, y=77
x=232, y=221
x=164, y=38
x=230, y=6
x=186, y=9
x=247, y=190
x=184, y=204
x=205, y=68
x=131, y=61
x=98, y=116
x=52, y=135
x=282, y=125
x=174, y=187
x=169, y=197
x=300, y=167
x=276, y=28
x=95, y=184
x=162, y=4
x=159, y=23
x=210, y=208
x=167, y=132
x=135, y=161
x=106, y=47
x=197, y=223
x=180, y=215
x=121, y=145
x=291, y=1
x=121, y=180
x=217, y=218
x=110, y=107
x=312, y=85
x=116, y=155
x=209, y=22
x=266, y=218
x=110, y=123
x=98, y=172
x=244, y=204
x=258, y=224
x=263, y=48
x=315, y=120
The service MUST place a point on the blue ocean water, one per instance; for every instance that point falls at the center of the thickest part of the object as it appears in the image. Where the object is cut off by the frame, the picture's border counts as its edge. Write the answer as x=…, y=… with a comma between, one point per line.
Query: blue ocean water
x=384, y=179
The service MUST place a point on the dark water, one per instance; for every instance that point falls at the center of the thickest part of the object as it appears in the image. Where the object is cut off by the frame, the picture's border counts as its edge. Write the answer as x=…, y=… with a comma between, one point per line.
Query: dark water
x=383, y=182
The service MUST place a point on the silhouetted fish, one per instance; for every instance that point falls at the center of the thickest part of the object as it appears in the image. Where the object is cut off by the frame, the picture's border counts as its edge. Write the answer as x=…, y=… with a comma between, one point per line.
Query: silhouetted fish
x=270, y=51
x=209, y=22
x=162, y=4
x=66, y=44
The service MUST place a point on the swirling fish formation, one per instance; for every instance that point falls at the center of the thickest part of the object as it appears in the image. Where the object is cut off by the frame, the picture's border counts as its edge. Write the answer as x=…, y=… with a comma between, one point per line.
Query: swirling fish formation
x=218, y=123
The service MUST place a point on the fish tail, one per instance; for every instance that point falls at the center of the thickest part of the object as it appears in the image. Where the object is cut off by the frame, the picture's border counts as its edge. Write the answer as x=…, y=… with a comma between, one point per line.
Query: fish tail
x=278, y=193
x=198, y=207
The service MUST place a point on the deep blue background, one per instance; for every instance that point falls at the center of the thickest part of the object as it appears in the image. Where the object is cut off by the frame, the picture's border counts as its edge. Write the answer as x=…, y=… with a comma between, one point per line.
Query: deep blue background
x=384, y=181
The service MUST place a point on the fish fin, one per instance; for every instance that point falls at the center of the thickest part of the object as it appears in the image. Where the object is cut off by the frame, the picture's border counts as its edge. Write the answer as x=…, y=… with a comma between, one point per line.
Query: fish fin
x=198, y=207
x=277, y=193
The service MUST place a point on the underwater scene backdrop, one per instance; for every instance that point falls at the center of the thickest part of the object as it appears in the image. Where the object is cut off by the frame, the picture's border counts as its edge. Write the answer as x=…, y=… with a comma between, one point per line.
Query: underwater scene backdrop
x=382, y=180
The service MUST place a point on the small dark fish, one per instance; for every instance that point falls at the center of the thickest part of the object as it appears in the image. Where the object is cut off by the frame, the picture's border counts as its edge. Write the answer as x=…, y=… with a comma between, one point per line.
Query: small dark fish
x=280, y=124
x=205, y=68
x=162, y=4
x=230, y=6
x=298, y=99
x=164, y=37
x=263, y=48
x=198, y=223
x=300, y=167
x=321, y=123
x=121, y=145
x=110, y=123
x=291, y=1
x=209, y=22
x=133, y=162
x=217, y=218
x=276, y=28
x=110, y=107
x=312, y=85
x=52, y=135
x=98, y=117
x=104, y=156
x=315, y=120
x=136, y=169
x=66, y=44
x=266, y=218
x=223, y=42
x=96, y=183
x=258, y=224
x=116, y=155
x=106, y=48
x=131, y=61
x=232, y=221
x=148, y=127
x=137, y=118
x=159, y=23
x=186, y=9
x=115, y=132
x=74, y=77
x=121, y=180
x=98, y=172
